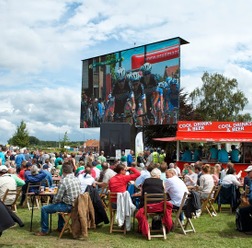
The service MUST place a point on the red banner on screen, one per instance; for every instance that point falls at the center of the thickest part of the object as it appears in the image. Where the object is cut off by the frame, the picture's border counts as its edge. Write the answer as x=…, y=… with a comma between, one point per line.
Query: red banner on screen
x=155, y=56
x=209, y=126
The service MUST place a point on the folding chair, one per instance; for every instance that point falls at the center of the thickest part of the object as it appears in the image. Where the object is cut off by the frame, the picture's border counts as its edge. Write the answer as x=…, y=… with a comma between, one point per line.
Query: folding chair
x=188, y=225
x=229, y=194
x=67, y=225
x=148, y=200
x=207, y=204
x=104, y=196
x=15, y=195
x=33, y=188
x=112, y=204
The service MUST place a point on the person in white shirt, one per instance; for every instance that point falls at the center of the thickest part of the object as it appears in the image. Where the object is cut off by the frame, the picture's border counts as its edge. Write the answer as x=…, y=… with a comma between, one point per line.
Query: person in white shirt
x=191, y=178
x=230, y=178
x=175, y=187
x=6, y=182
x=86, y=179
x=206, y=182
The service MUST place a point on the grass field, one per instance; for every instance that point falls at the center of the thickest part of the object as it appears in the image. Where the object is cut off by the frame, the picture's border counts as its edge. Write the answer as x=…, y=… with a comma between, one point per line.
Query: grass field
x=210, y=233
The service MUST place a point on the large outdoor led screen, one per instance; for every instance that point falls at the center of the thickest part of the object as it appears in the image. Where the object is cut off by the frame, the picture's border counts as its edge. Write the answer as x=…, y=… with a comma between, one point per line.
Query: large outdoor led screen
x=138, y=85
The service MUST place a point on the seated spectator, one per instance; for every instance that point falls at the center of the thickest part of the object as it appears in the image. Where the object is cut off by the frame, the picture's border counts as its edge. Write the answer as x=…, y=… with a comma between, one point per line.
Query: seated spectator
x=80, y=168
x=105, y=175
x=152, y=185
x=35, y=176
x=48, y=177
x=119, y=182
x=145, y=173
x=206, y=182
x=86, y=179
x=190, y=178
x=28, y=170
x=6, y=182
x=163, y=168
x=18, y=180
x=230, y=178
x=22, y=170
x=215, y=175
x=185, y=169
x=175, y=187
x=63, y=201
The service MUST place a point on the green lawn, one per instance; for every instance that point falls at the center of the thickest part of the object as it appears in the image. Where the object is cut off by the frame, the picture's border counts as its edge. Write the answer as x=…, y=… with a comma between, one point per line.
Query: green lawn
x=210, y=232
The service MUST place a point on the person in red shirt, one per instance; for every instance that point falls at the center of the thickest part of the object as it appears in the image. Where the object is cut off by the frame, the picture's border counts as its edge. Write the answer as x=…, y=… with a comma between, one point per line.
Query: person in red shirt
x=119, y=182
x=22, y=171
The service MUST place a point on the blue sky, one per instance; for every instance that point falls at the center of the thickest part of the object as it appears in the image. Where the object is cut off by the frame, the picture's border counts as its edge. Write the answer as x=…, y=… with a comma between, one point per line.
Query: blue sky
x=43, y=42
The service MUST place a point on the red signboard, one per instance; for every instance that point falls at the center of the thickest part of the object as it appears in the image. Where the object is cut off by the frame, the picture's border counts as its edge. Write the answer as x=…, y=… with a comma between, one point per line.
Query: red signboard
x=209, y=126
x=155, y=56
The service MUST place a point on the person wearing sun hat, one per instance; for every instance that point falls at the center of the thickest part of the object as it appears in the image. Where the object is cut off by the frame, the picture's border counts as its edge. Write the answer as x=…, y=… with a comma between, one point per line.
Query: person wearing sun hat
x=247, y=181
x=248, y=178
x=6, y=182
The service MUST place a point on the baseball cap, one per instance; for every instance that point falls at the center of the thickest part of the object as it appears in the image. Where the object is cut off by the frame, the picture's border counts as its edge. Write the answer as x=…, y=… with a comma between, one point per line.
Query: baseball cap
x=249, y=168
x=3, y=168
x=28, y=164
x=45, y=166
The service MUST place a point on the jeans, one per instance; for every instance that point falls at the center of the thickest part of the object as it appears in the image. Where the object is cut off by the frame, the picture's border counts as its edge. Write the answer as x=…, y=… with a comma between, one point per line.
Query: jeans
x=50, y=209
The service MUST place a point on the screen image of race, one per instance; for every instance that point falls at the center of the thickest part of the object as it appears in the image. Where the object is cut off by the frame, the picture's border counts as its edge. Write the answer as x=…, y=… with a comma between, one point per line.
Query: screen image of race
x=139, y=86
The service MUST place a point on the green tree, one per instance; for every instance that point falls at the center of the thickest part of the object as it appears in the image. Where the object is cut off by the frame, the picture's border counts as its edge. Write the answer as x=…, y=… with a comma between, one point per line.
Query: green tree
x=33, y=140
x=219, y=99
x=20, y=137
x=64, y=141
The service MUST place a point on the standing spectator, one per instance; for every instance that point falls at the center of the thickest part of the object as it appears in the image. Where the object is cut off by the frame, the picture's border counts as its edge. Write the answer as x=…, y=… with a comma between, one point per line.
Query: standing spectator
x=63, y=201
x=130, y=158
x=155, y=156
x=198, y=153
x=234, y=154
x=2, y=155
x=102, y=158
x=162, y=156
x=187, y=155
x=248, y=178
x=223, y=154
x=123, y=158
x=19, y=159
x=213, y=154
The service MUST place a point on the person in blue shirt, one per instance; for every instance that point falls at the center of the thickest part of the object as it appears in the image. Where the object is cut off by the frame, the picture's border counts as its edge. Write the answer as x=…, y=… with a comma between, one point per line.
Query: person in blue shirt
x=130, y=158
x=197, y=156
x=2, y=155
x=19, y=159
x=223, y=154
x=213, y=154
x=48, y=177
x=187, y=155
x=234, y=154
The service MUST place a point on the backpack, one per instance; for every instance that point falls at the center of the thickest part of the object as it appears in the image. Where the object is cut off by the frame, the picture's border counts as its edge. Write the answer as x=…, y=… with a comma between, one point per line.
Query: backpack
x=243, y=219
